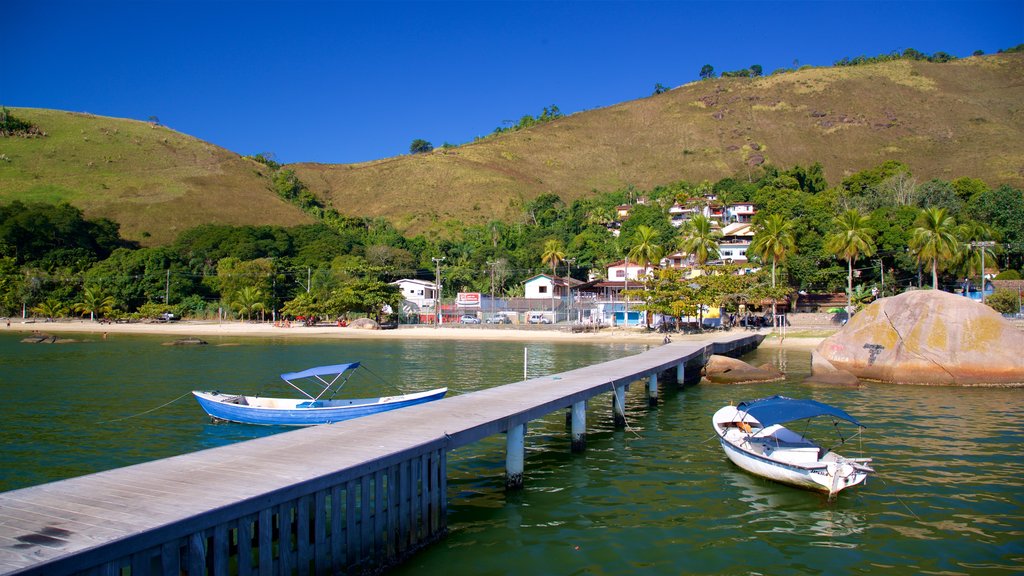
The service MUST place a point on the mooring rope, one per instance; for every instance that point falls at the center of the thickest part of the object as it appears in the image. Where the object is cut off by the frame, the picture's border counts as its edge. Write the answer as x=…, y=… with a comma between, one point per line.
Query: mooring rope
x=147, y=411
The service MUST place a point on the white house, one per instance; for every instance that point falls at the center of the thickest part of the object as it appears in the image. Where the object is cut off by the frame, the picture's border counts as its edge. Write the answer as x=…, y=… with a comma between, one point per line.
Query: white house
x=740, y=212
x=623, y=269
x=735, y=241
x=542, y=286
x=421, y=293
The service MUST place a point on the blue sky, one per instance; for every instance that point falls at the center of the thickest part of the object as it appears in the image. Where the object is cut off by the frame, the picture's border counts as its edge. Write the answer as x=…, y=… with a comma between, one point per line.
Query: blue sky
x=345, y=82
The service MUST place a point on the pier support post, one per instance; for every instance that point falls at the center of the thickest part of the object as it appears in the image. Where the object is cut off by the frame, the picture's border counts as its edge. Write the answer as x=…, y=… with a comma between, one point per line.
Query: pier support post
x=579, y=426
x=619, y=406
x=681, y=373
x=515, y=449
x=652, y=390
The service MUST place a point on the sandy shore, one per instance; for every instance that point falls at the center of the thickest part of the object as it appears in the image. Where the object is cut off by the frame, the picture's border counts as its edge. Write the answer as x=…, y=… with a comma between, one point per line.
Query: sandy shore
x=202, y=329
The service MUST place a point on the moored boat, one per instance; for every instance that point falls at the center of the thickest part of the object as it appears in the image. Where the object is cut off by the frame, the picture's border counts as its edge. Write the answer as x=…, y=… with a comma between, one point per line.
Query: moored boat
x=309, y=410
x=754, y=438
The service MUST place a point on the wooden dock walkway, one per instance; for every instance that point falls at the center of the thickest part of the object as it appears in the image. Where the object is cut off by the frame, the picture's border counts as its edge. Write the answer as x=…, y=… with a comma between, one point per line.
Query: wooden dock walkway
x=349, y=497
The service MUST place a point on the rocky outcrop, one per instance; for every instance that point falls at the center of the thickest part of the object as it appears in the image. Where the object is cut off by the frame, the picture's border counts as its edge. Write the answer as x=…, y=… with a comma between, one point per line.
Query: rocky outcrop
x=40, y=338
x=726, y=370
x=186, y=342
x=364, y=323
x=928, y=337
x=823, y=372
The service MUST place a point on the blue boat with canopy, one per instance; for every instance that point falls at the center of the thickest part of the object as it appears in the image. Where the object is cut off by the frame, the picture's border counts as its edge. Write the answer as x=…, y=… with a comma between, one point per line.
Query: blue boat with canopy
x=318, y=407
x=754, y=438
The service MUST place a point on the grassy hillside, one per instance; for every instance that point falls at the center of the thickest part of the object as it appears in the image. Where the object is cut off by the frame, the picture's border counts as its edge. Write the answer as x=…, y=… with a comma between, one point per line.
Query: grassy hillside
x=152, y=180
x=963, y=118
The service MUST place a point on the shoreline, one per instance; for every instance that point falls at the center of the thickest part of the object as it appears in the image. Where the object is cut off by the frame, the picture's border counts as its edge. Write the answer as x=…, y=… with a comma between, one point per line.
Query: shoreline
x=196, y=328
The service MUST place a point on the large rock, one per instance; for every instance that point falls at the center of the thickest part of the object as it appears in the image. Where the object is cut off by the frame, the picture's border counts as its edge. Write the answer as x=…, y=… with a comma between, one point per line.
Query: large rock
x=823, y=372
x=364, y=324
x=928, y=337
x=725, y=370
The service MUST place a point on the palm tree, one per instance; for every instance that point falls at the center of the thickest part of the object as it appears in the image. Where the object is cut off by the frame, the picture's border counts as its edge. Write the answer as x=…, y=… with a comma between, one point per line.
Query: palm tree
x=974, y=235
x=644, y=251
x=934, y=239
x=553, y=254
x=94, y=302
x=853, y=239
x=248, y=300
x=773, y=238
x=700, y=239
x=50, y=308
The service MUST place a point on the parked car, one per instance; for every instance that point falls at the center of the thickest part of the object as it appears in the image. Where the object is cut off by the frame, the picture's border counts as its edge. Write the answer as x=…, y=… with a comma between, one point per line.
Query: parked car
x=538, y=318
x=499, y=319
x=168, y=317
x=469, y=319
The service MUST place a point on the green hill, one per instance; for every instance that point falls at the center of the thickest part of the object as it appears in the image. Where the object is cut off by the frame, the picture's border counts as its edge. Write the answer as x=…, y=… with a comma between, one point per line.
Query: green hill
x=152, y=180
x=961, y=118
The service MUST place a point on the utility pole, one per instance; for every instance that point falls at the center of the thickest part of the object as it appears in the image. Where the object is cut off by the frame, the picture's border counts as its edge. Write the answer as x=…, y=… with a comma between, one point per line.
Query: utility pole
x=437, y=280
x=881, y=274
x=491, y=265
x=983, y=244
x=568, y=286
x=167, y=289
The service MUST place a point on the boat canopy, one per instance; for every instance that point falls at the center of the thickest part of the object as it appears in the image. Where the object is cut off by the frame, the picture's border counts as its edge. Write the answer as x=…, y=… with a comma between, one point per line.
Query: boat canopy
x=334, y=370
x=780, y=409
x=319, y=371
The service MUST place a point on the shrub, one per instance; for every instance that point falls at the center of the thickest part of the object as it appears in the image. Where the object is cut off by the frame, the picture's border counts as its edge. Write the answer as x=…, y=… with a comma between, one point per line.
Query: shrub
x=1008, y=275
x=1004, y=301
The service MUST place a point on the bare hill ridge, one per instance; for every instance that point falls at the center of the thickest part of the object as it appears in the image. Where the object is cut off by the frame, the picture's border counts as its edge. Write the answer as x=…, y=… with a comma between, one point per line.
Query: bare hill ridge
x=152, y=180
x=962, y=118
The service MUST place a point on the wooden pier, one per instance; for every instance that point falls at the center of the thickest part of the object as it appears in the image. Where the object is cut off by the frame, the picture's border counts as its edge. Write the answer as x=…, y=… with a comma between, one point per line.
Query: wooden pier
x=350, y=497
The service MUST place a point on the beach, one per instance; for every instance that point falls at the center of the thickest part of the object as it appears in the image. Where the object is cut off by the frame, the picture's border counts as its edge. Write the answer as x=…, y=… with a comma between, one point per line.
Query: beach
x=200, y=329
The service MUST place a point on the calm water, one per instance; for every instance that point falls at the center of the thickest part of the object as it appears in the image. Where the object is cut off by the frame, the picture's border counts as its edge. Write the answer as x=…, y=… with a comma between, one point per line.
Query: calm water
x=658, y=497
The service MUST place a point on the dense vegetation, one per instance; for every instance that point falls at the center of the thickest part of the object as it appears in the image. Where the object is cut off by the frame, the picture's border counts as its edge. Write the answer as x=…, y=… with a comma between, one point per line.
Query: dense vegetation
x=877, y=228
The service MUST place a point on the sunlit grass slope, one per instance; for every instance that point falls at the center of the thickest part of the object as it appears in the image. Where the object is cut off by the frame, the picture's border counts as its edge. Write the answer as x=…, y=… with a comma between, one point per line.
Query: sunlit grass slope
x=152, y=180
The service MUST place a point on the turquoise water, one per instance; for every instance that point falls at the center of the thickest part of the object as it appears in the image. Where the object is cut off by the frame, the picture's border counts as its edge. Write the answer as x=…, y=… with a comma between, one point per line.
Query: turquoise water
x=658, y=497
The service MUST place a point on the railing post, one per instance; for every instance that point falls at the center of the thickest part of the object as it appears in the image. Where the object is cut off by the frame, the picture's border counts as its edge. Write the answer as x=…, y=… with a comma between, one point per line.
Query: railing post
x=515, y=449
x=579, y=426
x=619, y=406
x=652, y=390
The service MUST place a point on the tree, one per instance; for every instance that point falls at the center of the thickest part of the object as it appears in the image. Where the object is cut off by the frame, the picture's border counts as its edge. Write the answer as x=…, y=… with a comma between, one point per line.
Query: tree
x=94, y=302
x=853, y=239
x=773, y=239
x=707, y=71
x=934, y=239
x=50, y=308
x=248, y=300
x=553, y=254
x=659, y=88
x=756, y=70
x=419, y=146
x=700, y=239
x=644, y=251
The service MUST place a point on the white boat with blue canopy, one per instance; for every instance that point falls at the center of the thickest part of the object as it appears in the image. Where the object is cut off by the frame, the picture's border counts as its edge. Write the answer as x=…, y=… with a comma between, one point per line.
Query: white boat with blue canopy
x=321, y=408
x=754, y=438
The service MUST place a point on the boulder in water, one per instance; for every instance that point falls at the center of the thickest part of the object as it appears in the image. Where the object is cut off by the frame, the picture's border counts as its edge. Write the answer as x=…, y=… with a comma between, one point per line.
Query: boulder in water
x=186, y=342
x=726, y=370
x=928, y=337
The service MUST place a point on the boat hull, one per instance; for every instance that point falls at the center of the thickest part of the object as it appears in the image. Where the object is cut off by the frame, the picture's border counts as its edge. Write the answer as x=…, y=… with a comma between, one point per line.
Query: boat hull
x=802, y=466
x=288, y=412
